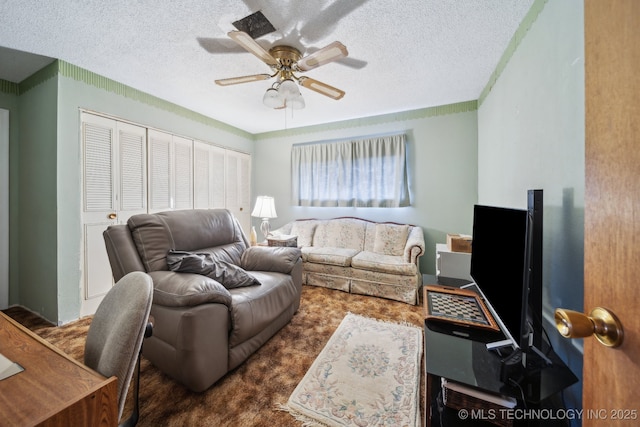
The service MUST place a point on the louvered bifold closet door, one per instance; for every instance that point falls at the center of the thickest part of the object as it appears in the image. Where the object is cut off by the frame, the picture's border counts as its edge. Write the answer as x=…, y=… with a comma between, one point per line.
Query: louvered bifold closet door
x=160, y=154
x=98, y=167
x=238, y=187
x=183, y=173
x=170, y=171
x=201, y=175
x=99, y=206
x=114, y=187
x=132, y=145
x=218, y=177
x=209, y=179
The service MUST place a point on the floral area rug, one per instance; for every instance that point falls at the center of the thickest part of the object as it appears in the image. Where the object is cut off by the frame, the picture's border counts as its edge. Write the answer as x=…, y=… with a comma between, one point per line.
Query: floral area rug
x=368, y=374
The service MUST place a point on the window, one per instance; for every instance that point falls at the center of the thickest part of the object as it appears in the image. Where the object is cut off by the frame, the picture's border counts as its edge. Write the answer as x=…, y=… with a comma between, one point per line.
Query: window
x=368, y=172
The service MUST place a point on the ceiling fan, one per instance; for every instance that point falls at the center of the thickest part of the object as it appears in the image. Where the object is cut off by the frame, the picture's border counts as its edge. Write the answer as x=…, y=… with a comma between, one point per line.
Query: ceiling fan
x=286, y=62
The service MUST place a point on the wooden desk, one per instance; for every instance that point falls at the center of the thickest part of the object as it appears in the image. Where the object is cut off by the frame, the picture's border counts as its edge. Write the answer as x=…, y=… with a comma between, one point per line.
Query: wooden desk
x=53, y=389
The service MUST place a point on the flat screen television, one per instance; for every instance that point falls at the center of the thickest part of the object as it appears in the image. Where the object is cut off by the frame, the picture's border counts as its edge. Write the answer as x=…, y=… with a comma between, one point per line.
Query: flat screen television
x=506, y=264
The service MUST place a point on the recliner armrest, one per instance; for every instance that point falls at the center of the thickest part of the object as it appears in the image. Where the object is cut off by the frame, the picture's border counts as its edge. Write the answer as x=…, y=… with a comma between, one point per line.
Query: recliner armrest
x=122, y=252
x=172, y=289
x=276, y=259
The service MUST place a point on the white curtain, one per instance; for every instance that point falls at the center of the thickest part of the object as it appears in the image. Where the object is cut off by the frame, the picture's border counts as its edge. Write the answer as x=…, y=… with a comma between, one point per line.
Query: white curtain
x=368, y=172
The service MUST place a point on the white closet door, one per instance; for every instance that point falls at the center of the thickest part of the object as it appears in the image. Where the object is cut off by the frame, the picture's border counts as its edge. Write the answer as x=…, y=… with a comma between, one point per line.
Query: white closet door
x=209, y=176
x=182, y=184
x=99, y=206
x=170, y=172
x=238, y=187
x=218, y=180
x=201, y=175
x=114, y=177
x=160, y=152
x=132, y=145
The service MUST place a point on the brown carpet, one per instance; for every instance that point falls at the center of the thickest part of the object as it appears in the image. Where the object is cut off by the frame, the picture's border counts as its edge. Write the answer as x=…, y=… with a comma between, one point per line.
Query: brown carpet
x=250, y=394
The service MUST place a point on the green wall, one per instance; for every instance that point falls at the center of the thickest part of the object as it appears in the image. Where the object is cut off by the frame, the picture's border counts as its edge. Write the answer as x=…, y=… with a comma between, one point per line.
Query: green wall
x=531, y=135
x=37, y=204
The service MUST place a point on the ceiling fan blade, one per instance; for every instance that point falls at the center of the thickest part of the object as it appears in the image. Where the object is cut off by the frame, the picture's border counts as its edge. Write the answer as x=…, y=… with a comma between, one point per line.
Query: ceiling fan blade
x=243, y=79
x=329, y=53
x=245, y=40
x=320, y=87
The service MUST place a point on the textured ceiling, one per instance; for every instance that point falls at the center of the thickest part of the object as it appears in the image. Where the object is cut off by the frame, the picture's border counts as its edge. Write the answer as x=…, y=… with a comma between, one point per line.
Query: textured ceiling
x=403, y=55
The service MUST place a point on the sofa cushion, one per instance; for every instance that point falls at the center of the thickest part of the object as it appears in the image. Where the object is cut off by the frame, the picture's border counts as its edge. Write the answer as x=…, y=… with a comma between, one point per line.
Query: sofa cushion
x=383, y=263
x=330, y=255
x=172, y=289
x=229, y=275
x=390, y=239
x=340, y=233
x=304, y=230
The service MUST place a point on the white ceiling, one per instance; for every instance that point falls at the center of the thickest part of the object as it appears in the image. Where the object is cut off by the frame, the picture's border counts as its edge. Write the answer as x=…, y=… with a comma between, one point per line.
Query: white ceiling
x=403, y=55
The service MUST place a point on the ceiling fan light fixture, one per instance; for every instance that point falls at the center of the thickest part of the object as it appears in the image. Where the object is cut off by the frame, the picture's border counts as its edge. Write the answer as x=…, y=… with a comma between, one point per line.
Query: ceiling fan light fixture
x=288, y=89
x=272, y=99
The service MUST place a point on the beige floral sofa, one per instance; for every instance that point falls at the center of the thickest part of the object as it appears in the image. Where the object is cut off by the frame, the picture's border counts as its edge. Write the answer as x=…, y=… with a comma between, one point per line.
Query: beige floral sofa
x=360, y=256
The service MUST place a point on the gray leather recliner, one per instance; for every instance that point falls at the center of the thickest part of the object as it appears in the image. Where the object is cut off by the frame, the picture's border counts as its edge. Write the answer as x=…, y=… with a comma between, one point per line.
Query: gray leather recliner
x=202, y=330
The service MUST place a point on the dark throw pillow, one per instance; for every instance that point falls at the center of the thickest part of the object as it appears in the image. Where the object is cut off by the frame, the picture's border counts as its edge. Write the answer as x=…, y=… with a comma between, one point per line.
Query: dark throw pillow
x=229, y=275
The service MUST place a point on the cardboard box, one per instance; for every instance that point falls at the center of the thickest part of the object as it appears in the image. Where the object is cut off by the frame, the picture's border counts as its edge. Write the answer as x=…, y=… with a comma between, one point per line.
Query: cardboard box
x=459, y=243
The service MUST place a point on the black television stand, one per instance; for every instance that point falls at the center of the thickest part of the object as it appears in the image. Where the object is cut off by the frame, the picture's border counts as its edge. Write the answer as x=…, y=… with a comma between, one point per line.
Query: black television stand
x=537, y=354
x=467, y=361
x=499, y=344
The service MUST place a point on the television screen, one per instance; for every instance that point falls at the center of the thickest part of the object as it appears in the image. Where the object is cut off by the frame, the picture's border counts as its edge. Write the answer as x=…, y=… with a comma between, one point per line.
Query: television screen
x=497, y=262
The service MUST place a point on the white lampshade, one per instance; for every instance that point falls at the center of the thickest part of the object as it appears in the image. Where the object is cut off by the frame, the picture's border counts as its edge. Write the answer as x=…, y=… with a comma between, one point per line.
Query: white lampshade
x=265, y=208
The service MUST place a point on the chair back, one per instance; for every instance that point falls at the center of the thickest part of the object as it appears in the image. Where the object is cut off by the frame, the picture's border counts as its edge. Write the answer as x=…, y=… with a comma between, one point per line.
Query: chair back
x=116, y=332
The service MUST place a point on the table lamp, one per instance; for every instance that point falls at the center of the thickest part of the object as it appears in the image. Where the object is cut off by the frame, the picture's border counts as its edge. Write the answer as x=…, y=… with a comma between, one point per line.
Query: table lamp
x=265, y=209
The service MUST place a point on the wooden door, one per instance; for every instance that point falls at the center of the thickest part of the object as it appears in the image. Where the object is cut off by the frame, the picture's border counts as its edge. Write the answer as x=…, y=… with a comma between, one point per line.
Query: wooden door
x=612, y=206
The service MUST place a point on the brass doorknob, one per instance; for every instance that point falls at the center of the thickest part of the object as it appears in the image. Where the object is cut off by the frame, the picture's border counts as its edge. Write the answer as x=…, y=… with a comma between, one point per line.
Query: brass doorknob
x=112, y=216
x=601, y=322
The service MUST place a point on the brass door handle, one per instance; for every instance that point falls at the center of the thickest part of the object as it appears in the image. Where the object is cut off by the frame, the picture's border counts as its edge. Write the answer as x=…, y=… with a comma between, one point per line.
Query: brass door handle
x=112, y=216
x=601, y=322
